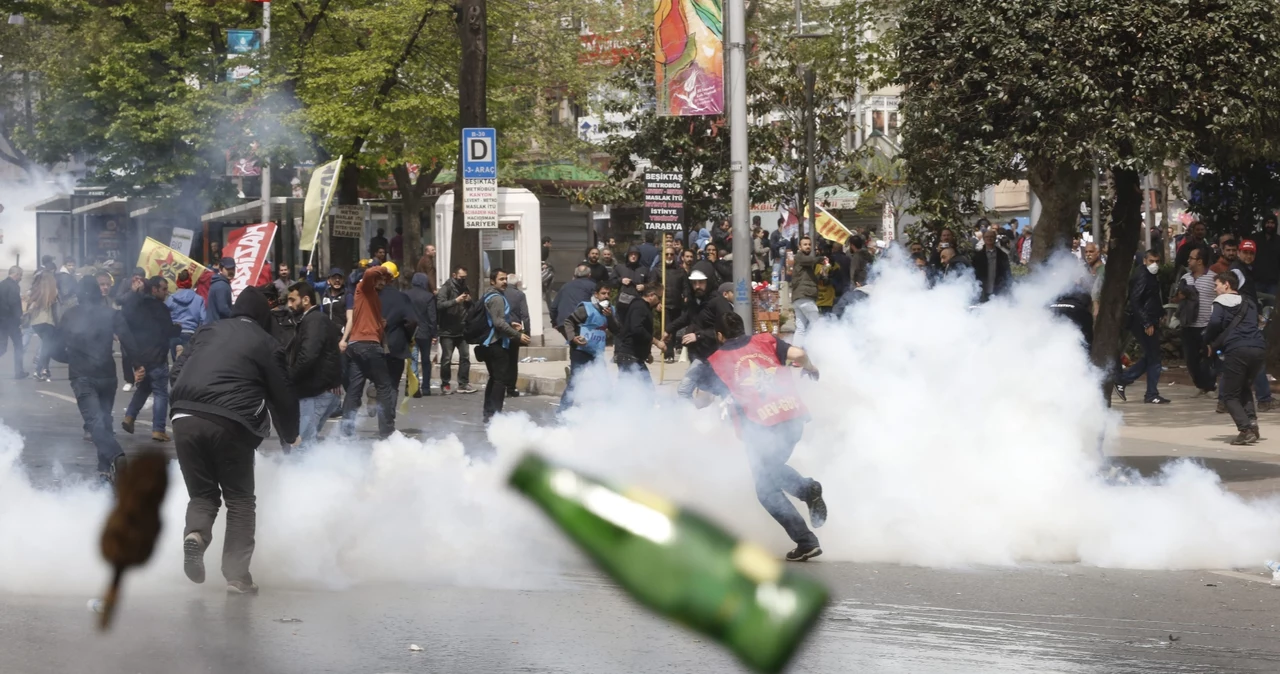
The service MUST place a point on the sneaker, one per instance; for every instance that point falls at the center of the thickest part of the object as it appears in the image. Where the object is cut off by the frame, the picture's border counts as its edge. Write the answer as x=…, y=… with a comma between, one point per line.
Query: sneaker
x=1120, y=392
x=417, y=394
x=446, y=390
x=1254, y=435
x=1268, y=405
x=1222, y=407
x=1202, y=394
x=803, y=554
x=1243, y=438
x=193, y=557
x=127, y=425
x=44, y=376
x=513, y=393
x=160, y=436
x=241, y=587
x=466, y=388
x=127, y=388
x=817, y=507
x=1158, y=400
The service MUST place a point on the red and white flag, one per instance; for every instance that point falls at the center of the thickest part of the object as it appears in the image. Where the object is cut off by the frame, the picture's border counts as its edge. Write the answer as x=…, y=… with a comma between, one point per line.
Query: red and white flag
x=249, y=245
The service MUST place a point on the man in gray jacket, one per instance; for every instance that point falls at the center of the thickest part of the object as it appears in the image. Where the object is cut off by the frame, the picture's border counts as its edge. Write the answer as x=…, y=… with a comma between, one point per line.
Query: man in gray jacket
x=452, y=303
x=804, y=289
x=505, y=333
x=520, y=312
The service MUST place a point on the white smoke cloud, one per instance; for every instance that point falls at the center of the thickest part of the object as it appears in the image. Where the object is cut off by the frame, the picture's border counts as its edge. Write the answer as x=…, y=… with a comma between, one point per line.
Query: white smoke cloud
x=944, y=436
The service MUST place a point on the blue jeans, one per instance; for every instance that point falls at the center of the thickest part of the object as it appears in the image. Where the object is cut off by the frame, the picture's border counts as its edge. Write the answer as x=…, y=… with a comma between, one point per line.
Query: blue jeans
x=156, y=382
x=313, y=412
x=1148, y=364
x=180, y=341
x=806, y=311
x=95, y=397
x=694, y=378
x=768, y=450
x=578, y=361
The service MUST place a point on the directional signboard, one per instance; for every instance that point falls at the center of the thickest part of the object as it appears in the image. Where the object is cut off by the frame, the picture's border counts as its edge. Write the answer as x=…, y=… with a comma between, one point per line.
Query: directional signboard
x=480, y=178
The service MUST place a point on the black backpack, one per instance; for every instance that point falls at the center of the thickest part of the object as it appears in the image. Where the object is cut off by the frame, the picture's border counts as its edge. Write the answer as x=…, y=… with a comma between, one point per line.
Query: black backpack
x=475, y=324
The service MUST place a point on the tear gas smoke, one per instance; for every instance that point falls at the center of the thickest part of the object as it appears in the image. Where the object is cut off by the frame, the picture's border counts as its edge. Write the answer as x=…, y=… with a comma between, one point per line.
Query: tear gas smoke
x=943, y=435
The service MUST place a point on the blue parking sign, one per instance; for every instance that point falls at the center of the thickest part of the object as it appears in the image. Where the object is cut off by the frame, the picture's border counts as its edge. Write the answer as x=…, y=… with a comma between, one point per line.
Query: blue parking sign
x=479, y=153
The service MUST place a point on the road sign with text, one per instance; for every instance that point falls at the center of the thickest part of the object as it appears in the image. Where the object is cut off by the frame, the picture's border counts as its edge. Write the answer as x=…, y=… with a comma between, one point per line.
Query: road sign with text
x=480, y=178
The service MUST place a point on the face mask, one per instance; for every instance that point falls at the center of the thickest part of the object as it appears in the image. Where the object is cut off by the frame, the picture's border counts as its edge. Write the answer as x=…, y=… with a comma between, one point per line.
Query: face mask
x=1153, y=267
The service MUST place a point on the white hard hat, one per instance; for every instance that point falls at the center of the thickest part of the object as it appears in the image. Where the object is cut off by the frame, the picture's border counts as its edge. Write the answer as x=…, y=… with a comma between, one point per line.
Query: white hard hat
x=697, y=275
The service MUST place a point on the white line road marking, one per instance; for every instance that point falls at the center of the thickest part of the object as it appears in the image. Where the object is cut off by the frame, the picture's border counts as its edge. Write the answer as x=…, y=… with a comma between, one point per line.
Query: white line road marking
x=59, y=396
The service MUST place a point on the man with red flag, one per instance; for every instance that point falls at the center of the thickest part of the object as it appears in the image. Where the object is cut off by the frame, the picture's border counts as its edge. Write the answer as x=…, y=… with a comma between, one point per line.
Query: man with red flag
x=751, y=372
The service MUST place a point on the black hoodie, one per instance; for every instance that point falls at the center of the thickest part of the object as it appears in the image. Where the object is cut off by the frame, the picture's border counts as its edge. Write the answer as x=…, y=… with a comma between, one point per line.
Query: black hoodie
x=234, y=369
x=638, y=273
x=85, y=332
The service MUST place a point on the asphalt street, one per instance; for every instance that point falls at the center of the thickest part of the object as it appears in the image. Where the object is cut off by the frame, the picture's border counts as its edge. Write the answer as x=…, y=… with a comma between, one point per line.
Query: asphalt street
x=883, y=618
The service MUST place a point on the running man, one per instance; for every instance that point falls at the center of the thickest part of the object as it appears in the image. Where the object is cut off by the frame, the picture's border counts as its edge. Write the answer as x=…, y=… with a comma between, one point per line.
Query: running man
x=751, y=371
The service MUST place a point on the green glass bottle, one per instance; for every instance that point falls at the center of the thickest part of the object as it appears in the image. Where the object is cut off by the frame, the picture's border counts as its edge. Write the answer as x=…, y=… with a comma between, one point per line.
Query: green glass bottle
x=680, y=564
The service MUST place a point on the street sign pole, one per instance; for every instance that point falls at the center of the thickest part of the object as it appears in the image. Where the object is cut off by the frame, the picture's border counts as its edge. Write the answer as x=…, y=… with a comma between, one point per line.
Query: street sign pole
x=266, y=163
x=738, y=162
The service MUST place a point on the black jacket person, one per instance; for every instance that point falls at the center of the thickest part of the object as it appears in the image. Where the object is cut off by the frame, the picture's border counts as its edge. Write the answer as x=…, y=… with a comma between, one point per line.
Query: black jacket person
x=223, y=384
x=85, y=340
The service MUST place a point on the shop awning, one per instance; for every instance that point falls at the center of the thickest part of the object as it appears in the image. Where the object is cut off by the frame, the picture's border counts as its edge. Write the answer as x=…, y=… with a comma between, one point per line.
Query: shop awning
x=58, y=203
x=108, y=206
x=837, y=198
x=250, y=211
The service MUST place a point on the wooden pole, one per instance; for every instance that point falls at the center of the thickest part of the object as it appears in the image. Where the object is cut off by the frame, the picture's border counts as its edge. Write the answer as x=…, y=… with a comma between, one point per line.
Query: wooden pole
x=662, y=368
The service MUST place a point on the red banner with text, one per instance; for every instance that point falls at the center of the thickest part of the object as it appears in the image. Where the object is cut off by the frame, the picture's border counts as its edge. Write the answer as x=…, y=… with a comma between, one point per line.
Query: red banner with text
x=249, y=246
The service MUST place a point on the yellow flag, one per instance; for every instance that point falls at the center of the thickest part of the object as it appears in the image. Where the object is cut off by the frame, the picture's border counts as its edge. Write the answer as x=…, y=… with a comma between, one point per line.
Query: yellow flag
x=160, y=260
x=324, y=181
x=828, y=227
x=413, y=385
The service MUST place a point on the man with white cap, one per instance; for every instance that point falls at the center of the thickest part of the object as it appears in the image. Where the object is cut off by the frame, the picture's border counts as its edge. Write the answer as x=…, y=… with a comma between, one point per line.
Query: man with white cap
x=696, y=329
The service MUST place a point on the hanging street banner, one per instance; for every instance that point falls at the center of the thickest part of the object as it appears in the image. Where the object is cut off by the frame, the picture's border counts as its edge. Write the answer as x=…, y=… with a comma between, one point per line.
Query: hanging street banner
x=324, y=181
x=663, y=201
x=480, y=178
x=249, y=246
x=688, y=50
x=161, y=260
x=828, y=227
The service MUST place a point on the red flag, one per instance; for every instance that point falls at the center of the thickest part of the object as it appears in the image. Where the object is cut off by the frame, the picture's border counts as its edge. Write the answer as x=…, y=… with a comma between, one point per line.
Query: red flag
x=248, y=246
x=202, y=285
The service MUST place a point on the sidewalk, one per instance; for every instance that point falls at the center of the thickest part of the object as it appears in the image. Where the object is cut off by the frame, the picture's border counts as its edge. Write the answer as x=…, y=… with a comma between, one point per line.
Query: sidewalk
x=548, y=378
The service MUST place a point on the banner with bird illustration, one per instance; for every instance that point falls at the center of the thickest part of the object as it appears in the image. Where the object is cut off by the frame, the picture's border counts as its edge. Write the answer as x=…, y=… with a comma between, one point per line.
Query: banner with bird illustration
x=689, y=56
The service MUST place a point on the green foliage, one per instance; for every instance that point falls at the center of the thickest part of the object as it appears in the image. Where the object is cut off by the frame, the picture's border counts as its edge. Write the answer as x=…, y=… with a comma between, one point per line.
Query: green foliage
x=997, y=86
x=1234, y=197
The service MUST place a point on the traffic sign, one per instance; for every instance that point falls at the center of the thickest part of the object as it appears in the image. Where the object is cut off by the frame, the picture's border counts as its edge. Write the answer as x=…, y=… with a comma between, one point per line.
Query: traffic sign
x=479, y=178
x=479, y=153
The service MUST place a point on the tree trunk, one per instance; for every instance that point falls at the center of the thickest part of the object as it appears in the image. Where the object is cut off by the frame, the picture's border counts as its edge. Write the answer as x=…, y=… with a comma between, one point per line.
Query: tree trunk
x=472, y=89
x=1126, y=229
x=412, y=201
x=349, y=182
x=1058, y=187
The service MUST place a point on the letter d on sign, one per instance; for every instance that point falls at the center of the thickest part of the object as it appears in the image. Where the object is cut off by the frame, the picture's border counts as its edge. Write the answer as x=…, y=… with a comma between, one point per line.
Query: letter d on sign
x=479, y=149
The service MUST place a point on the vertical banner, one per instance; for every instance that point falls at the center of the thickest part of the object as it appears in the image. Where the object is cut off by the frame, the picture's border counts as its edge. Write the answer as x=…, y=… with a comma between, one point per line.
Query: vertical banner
x=688, y=50
x=663, y=202
x=248, y=246
x=324, y=181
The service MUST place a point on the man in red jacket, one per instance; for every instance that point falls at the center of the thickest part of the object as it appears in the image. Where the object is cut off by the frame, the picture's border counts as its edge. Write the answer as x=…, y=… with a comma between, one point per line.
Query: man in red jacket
x=752, y=372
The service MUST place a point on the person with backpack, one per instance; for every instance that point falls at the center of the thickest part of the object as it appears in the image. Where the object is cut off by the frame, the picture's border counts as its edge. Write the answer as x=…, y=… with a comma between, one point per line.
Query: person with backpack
x=498, y=333
x=1195, y=295
x=1233, y=330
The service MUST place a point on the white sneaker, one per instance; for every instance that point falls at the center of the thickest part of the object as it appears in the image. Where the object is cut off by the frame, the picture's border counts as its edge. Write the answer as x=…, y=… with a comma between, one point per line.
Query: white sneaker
x=128, y=388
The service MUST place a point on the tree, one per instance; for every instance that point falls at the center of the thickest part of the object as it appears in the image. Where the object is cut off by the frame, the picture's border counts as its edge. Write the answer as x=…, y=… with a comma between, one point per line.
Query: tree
x=1235, y=194
x=997, y=88
x=136, y=88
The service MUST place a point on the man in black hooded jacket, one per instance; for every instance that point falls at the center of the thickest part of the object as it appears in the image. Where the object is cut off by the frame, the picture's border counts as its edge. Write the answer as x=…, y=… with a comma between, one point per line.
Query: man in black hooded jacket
x=223, y=383
x=85, y=342
x=315, y=362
